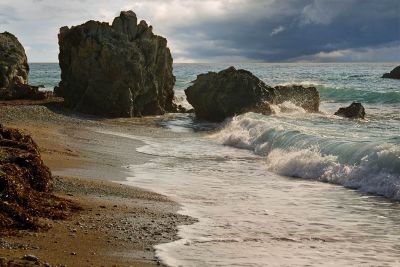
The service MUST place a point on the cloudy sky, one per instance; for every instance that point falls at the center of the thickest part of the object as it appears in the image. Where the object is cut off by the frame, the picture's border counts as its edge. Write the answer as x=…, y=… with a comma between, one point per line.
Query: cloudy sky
x=226, y=30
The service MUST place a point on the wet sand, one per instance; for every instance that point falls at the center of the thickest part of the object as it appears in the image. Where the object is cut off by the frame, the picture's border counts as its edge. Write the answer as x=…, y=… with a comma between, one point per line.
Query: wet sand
x=118, y=225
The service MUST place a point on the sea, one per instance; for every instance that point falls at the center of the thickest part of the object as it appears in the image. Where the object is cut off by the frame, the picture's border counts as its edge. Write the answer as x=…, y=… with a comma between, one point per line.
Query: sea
x=290, y=189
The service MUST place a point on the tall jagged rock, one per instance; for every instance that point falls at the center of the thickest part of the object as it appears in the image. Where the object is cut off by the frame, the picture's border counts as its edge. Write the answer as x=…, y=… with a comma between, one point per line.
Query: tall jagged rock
x=119, y=70
x=216, y=96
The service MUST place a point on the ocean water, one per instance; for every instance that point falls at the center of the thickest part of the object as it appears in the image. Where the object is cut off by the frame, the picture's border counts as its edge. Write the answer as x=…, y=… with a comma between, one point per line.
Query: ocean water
x=291, y=189
x=46, y=74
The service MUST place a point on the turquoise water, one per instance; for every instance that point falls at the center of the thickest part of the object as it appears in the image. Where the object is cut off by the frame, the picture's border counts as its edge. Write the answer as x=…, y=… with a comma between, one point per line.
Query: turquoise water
x=46, y=74
x=291, y=189
x=363, y=155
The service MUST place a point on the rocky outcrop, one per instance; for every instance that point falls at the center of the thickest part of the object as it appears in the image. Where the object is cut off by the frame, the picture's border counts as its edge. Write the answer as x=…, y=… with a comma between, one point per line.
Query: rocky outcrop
x=14, y=66
x=394, y=74
x=25, y=184
x=354, y=111
x=216, y=96
x=120, y=70
x=14, y=70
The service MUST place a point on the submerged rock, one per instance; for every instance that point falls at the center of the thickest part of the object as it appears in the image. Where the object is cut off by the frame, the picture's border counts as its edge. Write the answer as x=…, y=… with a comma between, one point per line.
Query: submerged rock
x=25, y=184
x=14, y=70
x=394, y=74
x=216, y=96
x=354, y=111
x=120, y=70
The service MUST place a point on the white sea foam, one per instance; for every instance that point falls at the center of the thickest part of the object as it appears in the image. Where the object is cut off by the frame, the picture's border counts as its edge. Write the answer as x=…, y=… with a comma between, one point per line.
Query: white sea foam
x=305, y=83
x=372, y=167
x=287, y=107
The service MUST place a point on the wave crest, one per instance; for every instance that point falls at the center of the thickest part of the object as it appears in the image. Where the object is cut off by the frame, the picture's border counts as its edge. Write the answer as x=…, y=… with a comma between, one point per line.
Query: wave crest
x=366, y=166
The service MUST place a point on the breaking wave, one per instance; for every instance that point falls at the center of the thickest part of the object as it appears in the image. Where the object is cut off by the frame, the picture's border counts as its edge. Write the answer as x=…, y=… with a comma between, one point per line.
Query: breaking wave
x=371, y=167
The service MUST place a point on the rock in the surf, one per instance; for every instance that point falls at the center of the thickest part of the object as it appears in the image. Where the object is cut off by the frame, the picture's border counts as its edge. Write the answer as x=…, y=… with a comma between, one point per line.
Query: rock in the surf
x=118, y=70
x=354, y=111
x=14, y=70
x=306, y=97
x=394, y=74
x=216, y=96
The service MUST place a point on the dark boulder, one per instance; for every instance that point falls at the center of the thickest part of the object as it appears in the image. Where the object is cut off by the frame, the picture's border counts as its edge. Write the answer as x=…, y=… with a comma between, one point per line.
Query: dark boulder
x=216, y=96
x=119, y=70
x=354, y=111
x=394, y=74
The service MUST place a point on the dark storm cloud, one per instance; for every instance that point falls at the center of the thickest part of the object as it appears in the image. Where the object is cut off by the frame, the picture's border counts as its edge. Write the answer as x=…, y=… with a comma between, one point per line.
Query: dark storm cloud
x=226, y=30
x=300, y=29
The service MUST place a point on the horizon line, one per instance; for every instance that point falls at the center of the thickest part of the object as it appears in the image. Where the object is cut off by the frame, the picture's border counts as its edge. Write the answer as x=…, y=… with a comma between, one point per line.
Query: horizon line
x=264, y=62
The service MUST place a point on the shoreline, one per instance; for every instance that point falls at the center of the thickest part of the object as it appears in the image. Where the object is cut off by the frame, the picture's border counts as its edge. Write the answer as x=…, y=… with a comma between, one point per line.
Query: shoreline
x=118, y=224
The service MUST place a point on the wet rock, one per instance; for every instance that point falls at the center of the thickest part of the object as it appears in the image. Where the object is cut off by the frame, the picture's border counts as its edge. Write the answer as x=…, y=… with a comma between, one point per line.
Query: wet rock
x=306, y=97
x=394, y=74
x=216, y=96
x=118, y=70
x=354, y=111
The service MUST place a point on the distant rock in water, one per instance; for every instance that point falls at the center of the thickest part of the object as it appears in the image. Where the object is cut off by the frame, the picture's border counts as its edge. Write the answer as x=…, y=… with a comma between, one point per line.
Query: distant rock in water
x=14, y=70
x=119, y=70
x=394, y=74
x=216, y=96
x=354, y=111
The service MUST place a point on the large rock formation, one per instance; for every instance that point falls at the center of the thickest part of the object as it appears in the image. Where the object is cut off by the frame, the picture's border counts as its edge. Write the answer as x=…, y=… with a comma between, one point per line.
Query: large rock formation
x=216, y=96
x=394, y=74
x=120, y=70
x=25, y=184
x=14, y=66
x=354, y=111
x=14, y=70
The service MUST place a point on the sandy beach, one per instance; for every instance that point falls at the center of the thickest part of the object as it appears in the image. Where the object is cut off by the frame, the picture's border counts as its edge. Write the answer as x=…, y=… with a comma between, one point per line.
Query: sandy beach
x=118, y=225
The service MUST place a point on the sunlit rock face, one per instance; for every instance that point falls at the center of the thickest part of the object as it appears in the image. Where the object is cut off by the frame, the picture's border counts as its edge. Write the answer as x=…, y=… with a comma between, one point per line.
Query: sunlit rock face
x=118, y=70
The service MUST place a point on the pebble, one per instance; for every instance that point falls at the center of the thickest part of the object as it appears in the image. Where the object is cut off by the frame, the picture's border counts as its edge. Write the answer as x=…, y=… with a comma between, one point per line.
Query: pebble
x=30, y=257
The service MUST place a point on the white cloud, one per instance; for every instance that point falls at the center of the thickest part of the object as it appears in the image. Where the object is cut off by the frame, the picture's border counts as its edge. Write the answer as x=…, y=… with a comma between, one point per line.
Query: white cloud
x=277, y=30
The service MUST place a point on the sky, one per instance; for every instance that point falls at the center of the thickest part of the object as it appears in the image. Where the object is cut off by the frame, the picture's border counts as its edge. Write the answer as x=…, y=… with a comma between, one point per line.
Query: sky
x=226, y=30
